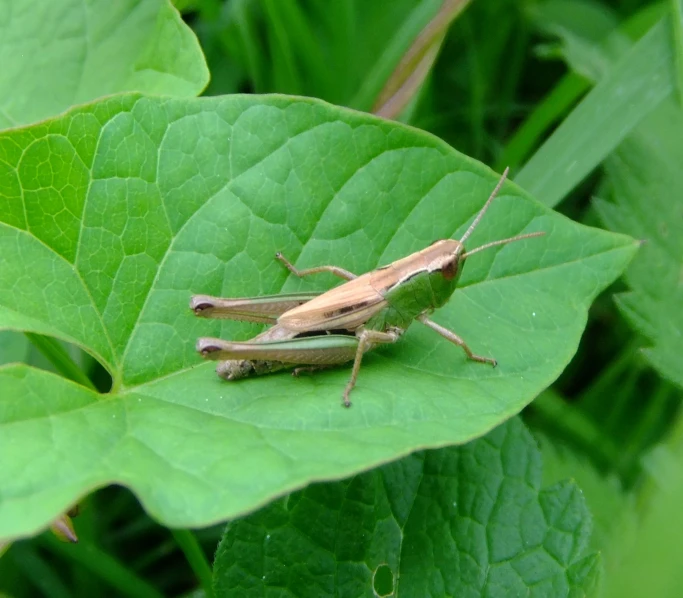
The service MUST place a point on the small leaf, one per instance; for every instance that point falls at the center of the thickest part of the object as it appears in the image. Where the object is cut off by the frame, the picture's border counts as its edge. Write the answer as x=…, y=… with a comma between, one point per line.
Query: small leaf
x=613, y=508
x=114, y=214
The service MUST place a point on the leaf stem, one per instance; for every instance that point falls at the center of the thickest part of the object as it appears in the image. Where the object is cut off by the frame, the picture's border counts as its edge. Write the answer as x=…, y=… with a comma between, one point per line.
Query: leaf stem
x=196, y=558
x=109, y=569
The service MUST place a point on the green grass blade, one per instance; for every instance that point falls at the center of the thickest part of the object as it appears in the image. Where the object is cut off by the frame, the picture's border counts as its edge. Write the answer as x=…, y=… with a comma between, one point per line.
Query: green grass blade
x=637, y=84
x=195, y=557
x=105, y=566
x=551, y=108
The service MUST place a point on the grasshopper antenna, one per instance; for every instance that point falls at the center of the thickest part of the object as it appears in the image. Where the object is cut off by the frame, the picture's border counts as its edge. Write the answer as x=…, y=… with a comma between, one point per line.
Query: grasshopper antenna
x=486, y=206
x=502, y=242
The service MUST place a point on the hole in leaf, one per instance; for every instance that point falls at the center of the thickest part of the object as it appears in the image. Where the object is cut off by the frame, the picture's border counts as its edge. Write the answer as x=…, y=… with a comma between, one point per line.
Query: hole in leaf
x=383, y=581
x=53, y=355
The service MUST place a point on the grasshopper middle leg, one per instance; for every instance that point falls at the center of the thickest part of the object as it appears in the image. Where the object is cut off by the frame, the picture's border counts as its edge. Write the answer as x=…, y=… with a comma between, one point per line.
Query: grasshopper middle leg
x=366, y=340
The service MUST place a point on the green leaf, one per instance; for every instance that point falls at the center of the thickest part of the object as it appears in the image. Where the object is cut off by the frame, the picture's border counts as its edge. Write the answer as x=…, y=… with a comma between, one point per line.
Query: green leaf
x=114, y=214
x=613, y=509
x=645, y=175
x=652, y=565
x=588, y=38
x=57, y=54
x=590, y=43
x=467, y=521
x=635, y=86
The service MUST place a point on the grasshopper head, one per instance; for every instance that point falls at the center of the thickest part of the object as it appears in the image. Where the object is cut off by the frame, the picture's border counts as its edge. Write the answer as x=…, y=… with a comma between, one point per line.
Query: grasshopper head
x=447, y=257
x=445, y=260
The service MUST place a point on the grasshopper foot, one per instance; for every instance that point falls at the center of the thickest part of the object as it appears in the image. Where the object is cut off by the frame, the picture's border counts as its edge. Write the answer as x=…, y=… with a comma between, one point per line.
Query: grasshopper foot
x=482, y=359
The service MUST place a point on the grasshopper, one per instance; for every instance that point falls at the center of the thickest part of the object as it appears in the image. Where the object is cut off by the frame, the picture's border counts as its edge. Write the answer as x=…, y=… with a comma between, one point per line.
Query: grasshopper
x=312, y=331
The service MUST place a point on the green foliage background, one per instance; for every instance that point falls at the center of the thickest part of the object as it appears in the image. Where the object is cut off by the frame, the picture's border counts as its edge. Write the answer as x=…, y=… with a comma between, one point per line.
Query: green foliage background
x=114, y=212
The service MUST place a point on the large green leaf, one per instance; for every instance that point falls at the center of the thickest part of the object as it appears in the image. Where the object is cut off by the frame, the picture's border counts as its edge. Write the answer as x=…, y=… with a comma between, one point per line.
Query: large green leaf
x=113, y=214
x=466, y=521
x=646, y=177
x=57, y=54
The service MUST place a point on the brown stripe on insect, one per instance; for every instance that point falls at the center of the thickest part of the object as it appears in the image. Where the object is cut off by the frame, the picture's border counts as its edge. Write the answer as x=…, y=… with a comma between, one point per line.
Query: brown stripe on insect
x=346, y=309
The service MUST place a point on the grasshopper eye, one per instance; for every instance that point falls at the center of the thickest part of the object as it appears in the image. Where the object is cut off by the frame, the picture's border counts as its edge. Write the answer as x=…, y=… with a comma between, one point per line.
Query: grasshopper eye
x=450, y=269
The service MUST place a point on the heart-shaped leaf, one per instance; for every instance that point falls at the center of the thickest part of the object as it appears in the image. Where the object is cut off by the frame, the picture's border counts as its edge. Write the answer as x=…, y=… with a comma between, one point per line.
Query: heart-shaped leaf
x=114, y=214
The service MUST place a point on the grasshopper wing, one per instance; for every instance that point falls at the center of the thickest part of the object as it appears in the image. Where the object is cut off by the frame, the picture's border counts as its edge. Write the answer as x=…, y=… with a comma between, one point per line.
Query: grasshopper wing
x=345, y=307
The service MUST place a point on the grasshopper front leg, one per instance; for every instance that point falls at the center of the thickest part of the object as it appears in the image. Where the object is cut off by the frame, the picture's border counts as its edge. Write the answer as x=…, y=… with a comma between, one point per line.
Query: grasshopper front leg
x=455, y=339
x=336, y=270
